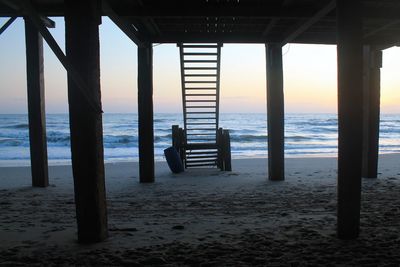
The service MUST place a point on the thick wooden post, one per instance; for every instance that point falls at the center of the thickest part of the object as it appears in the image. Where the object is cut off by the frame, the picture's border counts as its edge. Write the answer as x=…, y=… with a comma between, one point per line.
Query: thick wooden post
x=372, y=65
x=145, y=113
x=82, y=49
x=275, y=112
x=36, y=105
x=350, y=111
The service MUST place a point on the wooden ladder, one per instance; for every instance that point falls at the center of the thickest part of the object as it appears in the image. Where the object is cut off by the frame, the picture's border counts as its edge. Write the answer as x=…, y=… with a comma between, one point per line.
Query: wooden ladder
x=200, y=76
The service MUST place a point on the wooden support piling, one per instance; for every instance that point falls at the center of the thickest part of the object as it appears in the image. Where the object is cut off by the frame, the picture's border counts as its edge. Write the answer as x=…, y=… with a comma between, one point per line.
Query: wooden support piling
x=350, y=112
x=82, y=20
x=372, y=65
x=145, y=113
x=275, y=112
x=36, y=105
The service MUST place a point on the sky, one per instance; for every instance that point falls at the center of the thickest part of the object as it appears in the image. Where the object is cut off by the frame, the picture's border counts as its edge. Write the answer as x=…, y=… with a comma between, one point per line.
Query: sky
x=309, y=75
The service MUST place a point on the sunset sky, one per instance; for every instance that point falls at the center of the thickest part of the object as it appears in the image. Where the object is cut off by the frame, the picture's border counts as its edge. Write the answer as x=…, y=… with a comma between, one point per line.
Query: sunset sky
x=309, y=75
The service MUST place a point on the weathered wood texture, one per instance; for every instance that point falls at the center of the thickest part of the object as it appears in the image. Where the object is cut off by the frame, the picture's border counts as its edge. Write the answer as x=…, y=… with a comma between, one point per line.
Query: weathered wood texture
x=372, y=65
x=36, y=105
x=275, y=112
x=350, y=120
x=145, y=113
x=82, y=49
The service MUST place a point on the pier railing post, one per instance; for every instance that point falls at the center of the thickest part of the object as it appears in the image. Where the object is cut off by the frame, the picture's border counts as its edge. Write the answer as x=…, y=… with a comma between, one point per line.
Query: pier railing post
x=36, y=105
x=82, y=19
x=350, y=116
x=145, y=113
x=275, y=112
x=372, y=65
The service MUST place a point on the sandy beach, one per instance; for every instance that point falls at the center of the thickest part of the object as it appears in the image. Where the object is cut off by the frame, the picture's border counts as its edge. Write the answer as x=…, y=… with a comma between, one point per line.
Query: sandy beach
x=203, y=217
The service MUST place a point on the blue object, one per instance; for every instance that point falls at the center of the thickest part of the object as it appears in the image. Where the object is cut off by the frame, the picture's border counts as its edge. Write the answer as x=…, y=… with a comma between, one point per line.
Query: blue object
x=173, y=159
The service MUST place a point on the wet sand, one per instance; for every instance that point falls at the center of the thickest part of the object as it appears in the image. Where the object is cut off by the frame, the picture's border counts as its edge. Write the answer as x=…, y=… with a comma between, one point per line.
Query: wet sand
x=203, y=218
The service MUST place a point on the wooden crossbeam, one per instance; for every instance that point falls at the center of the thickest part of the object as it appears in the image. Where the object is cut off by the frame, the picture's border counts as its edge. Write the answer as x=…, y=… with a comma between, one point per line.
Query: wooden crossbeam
x=125, y=26
x=38, y=22
x=7, y=24
x=307, y=24
x=14, y=5
x=273, y=21
x=382, y=28
x=49, y=23
x=149, y=23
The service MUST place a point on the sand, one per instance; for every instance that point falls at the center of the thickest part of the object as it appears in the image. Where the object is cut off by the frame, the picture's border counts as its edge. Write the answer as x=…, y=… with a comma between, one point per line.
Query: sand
x=203, y=218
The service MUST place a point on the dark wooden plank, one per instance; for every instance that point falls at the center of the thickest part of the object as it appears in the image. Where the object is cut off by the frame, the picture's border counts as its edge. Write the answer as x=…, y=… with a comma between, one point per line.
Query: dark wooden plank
x=36, y=105
x=7, y=24
x=350, y=116
x=124, y=25
x=82, y=49
x=145, y=113
x=201, y=146
x=275, y=111
x=372, y=65
x=308, y=23
x=227, y=151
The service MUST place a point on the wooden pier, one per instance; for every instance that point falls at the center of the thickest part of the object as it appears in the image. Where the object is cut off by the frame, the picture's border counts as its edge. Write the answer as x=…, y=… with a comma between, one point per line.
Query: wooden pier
x=361, y=29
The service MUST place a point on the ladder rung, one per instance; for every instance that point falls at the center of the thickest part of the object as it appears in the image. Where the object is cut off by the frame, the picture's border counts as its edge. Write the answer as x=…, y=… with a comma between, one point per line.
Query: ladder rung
x=200, y=107
x=201, y=152
x=200, y=46
x=201, y=94
x=200, y=68
x=199, y=129
x=195, y=141
x=201, y=146
x=199, y=165
x=201, y=157
x=200, y=81
x=200, y=88
x=201, y=118
x=200, y=54
x=201, y=112
x=200, y=75
x=201, y=100
x=200, y=123
x=203, y=134
x=201, y=61
x=201, y=161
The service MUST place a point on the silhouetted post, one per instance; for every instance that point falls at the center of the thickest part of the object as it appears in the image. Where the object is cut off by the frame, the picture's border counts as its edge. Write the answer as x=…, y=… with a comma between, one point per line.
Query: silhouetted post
x=82, y=19
x=275, y=112
x=350, y=111
x=36, y=105
x=145, y=113
x=372, y=65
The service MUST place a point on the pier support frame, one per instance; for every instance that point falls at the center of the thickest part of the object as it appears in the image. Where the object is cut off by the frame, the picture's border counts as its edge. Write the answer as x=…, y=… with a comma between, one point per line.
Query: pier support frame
x=372, y=65
x=82, y=19
x=145, y=113
x=36, y=105
x=350, y=120
x=275, y=112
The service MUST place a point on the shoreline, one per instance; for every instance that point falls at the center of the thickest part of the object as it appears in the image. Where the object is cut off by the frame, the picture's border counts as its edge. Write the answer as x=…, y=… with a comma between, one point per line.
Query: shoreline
x=54, y=163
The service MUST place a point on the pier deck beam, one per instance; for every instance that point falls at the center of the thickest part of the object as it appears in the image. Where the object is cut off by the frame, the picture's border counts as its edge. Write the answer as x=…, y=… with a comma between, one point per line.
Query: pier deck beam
x=145, y=113
x=275, y=112
x=36, y=105
x=372, y=65
x=82, y=20
x=350, y=116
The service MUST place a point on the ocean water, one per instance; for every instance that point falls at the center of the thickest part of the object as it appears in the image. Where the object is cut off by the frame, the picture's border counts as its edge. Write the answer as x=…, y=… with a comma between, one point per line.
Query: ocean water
x=305, y=135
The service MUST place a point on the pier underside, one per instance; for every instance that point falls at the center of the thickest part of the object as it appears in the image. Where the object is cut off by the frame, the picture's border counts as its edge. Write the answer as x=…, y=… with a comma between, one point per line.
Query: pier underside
x=361, y=29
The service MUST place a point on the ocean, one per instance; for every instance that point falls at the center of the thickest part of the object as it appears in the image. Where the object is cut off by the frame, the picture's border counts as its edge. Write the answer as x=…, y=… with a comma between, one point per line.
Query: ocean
x=306, y=135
